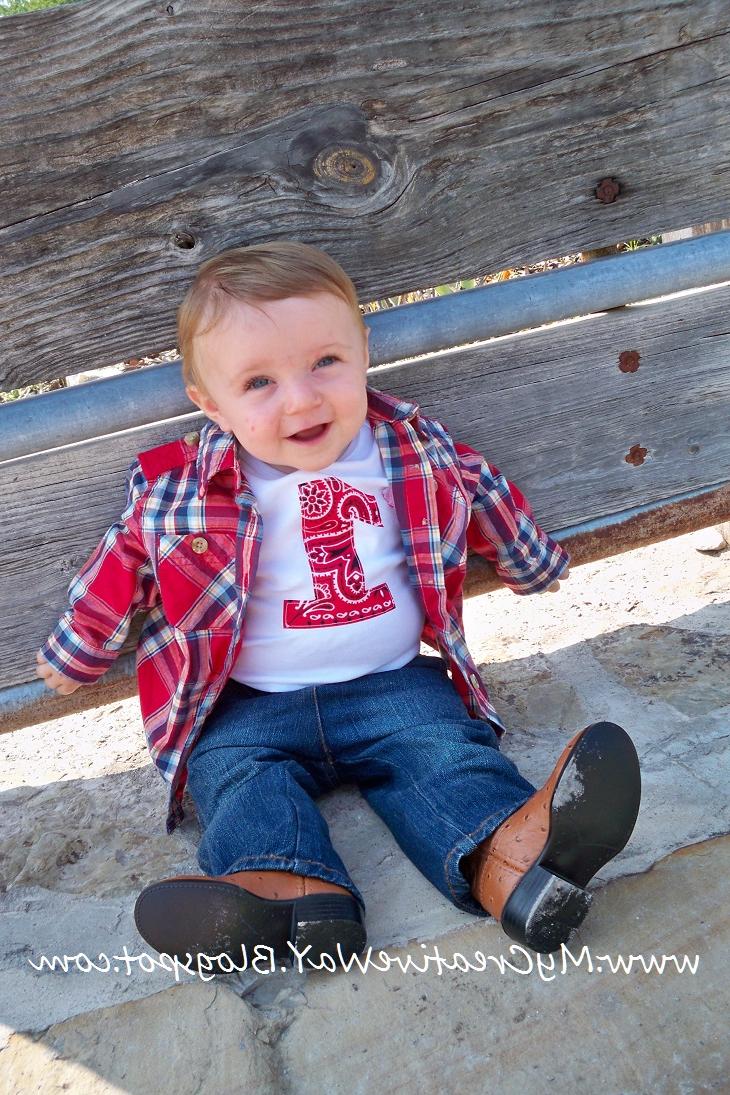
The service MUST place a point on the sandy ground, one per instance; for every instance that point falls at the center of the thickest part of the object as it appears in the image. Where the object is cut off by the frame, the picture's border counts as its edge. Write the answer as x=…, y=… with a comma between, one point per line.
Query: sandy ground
x=641, y=639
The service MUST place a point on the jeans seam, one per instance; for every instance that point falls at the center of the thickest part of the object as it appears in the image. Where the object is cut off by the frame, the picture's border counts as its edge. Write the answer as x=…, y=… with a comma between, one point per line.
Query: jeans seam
x=283, y=774
x=444, y=820
x=415, y=786
x=323, y=740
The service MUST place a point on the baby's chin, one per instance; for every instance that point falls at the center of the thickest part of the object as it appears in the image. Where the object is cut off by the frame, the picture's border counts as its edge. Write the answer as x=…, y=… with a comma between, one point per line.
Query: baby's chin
x=313, y=464
x=312, y=455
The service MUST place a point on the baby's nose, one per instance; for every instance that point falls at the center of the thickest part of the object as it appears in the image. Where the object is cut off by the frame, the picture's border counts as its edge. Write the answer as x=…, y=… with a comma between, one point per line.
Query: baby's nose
x=300, y=395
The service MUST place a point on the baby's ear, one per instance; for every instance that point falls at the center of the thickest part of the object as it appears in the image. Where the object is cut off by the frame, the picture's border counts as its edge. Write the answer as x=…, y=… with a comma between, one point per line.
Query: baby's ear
x=207, y=406
x=194, y=395
x=201, y=399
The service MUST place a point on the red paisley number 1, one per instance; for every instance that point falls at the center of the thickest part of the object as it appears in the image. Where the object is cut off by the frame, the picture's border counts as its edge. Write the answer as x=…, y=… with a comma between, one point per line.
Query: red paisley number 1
x=329, y=509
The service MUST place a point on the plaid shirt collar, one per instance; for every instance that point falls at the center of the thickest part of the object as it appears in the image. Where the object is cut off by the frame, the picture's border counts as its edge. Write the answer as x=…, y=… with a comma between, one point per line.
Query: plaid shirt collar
x=218, y=450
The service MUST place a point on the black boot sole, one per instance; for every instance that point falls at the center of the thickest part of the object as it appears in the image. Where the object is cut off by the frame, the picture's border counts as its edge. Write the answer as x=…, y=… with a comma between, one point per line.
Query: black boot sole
x=593, y=813
x=191, y=918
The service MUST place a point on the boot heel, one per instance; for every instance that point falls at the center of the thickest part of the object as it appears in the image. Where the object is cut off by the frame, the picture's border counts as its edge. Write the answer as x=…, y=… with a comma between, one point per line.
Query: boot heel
x=323, y=922
x=543, y=910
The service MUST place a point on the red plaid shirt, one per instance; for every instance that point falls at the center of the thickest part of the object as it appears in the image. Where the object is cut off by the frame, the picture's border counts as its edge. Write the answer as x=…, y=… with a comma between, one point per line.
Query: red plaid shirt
x=186, y=547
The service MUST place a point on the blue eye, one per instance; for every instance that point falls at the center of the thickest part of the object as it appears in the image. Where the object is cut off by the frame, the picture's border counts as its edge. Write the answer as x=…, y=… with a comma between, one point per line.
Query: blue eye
x=257, y=383
x=253, y=383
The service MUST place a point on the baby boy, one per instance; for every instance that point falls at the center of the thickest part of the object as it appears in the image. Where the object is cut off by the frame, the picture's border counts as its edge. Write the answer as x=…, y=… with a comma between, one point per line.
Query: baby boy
x=291, y=559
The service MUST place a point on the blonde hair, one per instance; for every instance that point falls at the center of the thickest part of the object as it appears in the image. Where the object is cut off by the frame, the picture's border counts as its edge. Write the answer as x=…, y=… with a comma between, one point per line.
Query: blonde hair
x=258, y=272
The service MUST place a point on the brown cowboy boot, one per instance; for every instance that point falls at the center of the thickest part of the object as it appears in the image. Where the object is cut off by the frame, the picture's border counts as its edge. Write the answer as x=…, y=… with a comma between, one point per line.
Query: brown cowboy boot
x=228, y=916
x=531, y=873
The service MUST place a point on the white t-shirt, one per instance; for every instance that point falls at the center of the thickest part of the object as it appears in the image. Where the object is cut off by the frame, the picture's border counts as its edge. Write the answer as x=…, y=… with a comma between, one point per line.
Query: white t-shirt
x=331, y=600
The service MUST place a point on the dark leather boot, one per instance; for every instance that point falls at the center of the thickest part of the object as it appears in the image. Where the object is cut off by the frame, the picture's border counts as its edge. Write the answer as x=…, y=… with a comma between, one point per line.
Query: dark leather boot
x=531, y=873
x=227, y=916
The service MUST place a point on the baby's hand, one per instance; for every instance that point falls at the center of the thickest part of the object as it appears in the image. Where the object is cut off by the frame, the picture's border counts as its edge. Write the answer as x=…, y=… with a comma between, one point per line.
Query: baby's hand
x=556, y=585
x=63, y=685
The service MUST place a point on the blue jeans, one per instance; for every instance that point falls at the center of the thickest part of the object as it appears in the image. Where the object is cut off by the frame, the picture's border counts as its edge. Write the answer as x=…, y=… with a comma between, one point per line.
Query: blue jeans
x=433, y=774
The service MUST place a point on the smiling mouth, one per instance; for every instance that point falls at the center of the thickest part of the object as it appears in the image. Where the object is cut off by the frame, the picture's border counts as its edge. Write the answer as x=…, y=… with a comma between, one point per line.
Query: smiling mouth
x=314, y=433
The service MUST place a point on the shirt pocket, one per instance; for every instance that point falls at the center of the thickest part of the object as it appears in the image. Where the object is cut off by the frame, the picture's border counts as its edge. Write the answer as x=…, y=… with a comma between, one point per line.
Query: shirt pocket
x=196, y=573
x=454, y=534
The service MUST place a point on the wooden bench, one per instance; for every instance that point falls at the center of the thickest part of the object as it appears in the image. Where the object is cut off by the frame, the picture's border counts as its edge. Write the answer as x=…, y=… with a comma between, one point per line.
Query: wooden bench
x=138, y=139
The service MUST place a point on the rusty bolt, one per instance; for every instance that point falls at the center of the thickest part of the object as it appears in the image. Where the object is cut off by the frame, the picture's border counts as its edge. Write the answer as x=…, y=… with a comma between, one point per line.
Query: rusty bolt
x=636, y=455
x=608, y=190
x=628, y=361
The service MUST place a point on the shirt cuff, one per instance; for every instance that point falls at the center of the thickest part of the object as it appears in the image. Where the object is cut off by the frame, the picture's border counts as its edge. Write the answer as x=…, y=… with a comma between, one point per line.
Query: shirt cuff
x=67, y=653
x=533, y=573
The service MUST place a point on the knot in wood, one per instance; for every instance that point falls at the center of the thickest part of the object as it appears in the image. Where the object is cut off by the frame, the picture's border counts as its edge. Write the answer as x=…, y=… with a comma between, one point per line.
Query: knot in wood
x=608, y=190
x=636, y=455
x=184, y=240
x=345, y=165
x=628, y=361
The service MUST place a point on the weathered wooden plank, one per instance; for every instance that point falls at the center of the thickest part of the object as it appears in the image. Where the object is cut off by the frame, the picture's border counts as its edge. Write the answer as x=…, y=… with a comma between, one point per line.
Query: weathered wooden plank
x=31, y=703
x=416, y=145
x=563, y=410
x=559, y=410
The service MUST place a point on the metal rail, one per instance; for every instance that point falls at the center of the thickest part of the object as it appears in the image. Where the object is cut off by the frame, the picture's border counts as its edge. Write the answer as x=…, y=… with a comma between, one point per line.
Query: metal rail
x=157, y=393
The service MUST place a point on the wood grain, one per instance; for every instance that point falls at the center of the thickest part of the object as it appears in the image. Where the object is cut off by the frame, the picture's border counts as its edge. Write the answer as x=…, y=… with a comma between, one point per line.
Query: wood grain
x=552, y=408
x=416, y=143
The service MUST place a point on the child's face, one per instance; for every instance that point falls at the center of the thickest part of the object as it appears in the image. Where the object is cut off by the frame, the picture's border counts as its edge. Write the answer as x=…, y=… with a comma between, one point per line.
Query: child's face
x=282, y=367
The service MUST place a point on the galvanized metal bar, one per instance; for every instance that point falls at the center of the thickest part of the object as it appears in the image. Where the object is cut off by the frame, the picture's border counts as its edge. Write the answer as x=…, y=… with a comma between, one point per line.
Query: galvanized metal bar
x=157, y=394
x=28, y=704
x=528, y=302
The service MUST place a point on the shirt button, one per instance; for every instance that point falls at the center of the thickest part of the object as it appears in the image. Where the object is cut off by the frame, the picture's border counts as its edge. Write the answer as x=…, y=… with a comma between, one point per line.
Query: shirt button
x=473, y=679
x=199, y=545
x=191, y=438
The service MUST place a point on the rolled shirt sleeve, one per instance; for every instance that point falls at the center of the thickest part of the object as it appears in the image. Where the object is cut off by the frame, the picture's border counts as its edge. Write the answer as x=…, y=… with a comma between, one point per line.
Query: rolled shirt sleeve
x=116, y=580
x=503, y=530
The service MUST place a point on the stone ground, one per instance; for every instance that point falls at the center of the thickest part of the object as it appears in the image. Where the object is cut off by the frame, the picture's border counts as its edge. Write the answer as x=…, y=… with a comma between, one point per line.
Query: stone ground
x=640, y=639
